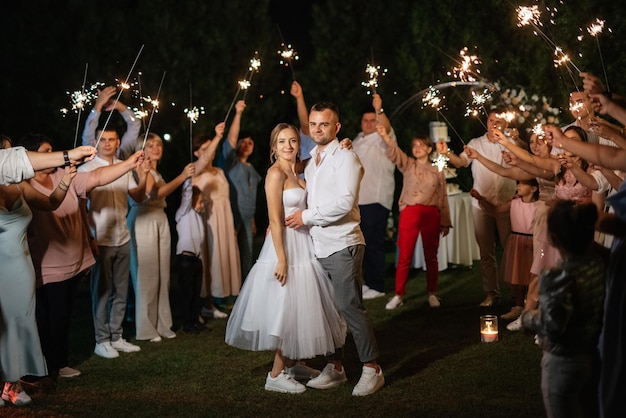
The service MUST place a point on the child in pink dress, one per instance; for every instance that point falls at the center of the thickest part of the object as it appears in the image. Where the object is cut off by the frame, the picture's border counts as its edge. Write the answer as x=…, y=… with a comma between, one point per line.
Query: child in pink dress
x=518, y=251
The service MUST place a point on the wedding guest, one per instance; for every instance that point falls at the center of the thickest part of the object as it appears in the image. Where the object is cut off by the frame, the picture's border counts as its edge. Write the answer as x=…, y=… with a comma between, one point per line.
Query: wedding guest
x=60, y=250
x=110, y=275
x=376, y=193
x=191, y=231
x=20, y=348
x=569, y=318
x=424, y=211
x=150, y=242
x=518, y=257
x=220, y=258
x=496, y=190
x=244, y=181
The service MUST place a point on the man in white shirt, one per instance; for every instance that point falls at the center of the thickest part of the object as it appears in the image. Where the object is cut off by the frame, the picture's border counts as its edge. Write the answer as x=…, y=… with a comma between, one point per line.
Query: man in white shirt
x=108, y=206
x=333, y=176
x=497, y=190
x=375, y=195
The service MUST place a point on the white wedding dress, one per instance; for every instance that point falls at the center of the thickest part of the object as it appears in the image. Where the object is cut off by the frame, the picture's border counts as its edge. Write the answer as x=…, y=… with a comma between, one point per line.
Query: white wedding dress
x=299, y=318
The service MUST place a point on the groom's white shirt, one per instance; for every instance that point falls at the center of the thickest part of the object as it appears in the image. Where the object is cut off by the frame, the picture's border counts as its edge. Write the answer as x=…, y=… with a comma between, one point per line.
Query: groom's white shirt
x=332, y=199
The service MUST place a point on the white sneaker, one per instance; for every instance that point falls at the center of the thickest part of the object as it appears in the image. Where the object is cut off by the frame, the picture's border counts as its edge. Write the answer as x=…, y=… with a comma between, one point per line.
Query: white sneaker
x=370, y=382
x=300, y=371
x=330, y=377
x=156, y=339
x=68, y=372
x=283, y=383
x=364, y=289
x=124, y=346
x=373, y=294
x=394, y=302
x=515, y=325
x=14, y=393
x=433, y=301
x=213, y=313
x=106, y=350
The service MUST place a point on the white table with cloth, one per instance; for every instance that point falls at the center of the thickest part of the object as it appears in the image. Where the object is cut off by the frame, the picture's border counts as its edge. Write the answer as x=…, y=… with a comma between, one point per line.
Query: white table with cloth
x=459, y=247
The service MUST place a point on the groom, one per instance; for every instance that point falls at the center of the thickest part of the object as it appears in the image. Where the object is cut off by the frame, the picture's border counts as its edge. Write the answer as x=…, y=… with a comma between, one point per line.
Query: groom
x=333, y=176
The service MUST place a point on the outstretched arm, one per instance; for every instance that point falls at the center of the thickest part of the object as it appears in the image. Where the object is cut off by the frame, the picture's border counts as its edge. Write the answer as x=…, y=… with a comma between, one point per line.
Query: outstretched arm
x=303, y=112
x=514, y=173
x=606, y=156
x=235, y=126
x=105, y=175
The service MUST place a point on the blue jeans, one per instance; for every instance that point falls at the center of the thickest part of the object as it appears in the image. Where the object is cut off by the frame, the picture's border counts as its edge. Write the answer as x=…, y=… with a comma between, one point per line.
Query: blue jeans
x=570, y=385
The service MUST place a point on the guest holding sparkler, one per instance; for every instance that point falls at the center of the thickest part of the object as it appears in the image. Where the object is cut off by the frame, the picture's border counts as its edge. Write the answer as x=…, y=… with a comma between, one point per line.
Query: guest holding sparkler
x=569, y=318
x=496, y=190
x=60, y=250
x=544, y=254
x=612, y=338
x=150, y=247
x=376, y=194
x=20, y=348
x=244, y=181
x=306, y=142
x=106, y=102
x=424, y=210
x=220, y=257
x=110, y=276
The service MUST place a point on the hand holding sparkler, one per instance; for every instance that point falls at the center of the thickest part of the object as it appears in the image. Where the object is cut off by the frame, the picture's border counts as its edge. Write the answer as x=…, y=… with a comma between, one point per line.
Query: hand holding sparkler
x=592, y=84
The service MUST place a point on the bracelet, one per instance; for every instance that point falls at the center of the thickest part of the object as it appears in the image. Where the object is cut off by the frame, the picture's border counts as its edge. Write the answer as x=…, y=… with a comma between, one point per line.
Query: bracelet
x=66, y=157
x=608, y=94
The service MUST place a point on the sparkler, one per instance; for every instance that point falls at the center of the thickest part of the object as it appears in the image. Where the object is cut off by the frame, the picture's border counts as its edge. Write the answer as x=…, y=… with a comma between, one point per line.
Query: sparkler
x=125, y=83
x=80, y=108
x=433, y=99
x=193, y=113
x=155, y=108
x=464, y=70
x=594, y=30
x=441, y=161
x=287, y=56
x=255, y=64
x=373, y=72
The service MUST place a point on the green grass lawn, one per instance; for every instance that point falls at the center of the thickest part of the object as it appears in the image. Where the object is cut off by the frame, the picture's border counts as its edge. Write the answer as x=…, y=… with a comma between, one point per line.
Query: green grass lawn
x=433, y=361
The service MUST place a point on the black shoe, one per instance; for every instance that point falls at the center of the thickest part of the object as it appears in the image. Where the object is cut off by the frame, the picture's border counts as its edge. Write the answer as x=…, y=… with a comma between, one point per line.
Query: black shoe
x=191, y=329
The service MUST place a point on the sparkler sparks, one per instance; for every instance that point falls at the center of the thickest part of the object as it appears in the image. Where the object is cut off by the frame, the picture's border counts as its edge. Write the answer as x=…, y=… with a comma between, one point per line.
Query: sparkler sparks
x=527, y=15
x=194, y=113
x=288, y=55
x=441, y=162
x=433, y=99
x=255, y=65
x=79, y=99
x=465, y=71
x=372, y=72
x=596, y=27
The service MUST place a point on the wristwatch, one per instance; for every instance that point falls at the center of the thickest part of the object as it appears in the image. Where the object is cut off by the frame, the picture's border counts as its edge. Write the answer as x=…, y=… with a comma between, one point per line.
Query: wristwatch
x=66, y=158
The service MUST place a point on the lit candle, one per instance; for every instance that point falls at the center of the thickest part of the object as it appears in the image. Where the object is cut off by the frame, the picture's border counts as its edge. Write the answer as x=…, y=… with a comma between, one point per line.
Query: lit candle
x=488, y=328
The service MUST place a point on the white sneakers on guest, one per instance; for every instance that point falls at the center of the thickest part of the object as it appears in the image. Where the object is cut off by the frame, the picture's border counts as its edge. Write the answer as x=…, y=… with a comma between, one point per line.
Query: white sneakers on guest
x=283, y=383
x=14, y=393
x=106, y=350
x=124, y=346
x=68, y=372
x=213, y=313
x=370, y=381
x=329, y=378
x=373, y=294
x=393, y=303
x=515, y=325
x=300, y=371
x=433, y=301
